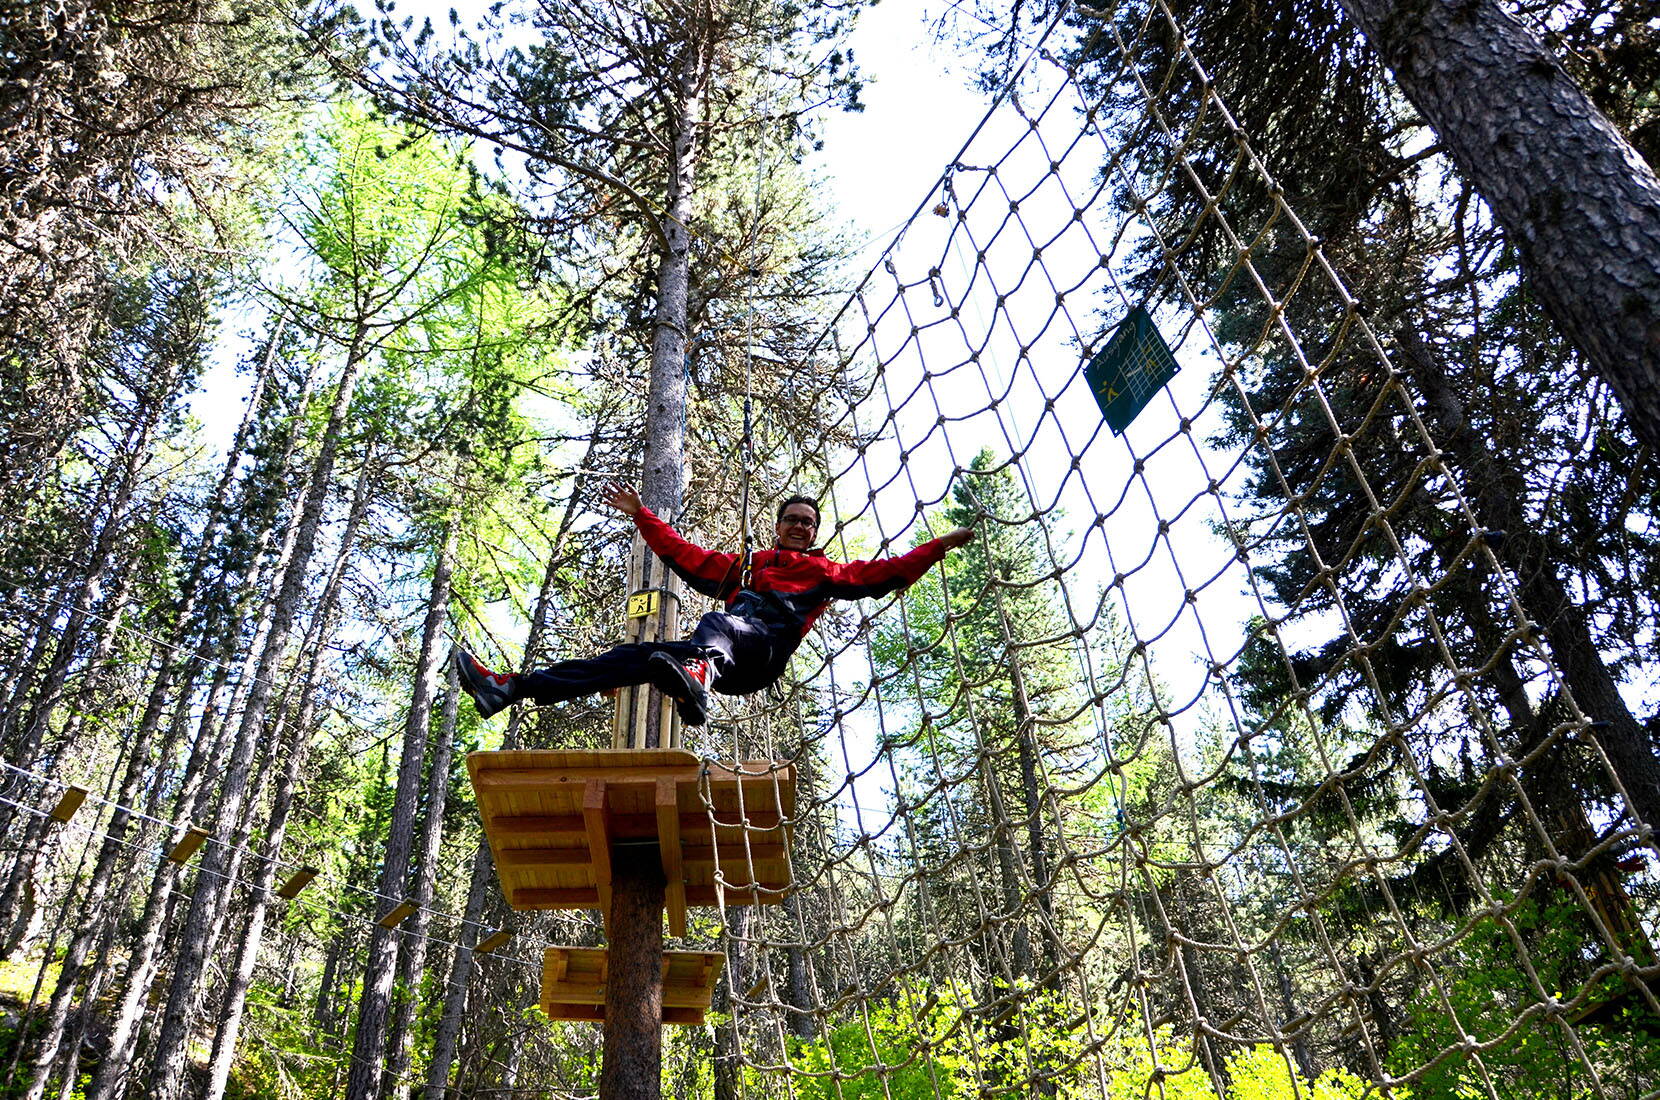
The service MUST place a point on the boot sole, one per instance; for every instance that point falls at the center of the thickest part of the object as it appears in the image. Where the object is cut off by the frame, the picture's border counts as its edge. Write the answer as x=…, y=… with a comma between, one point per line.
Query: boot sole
x=670, y=678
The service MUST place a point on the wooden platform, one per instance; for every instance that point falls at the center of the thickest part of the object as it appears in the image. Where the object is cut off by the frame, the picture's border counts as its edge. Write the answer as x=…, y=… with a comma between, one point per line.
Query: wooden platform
x=573, y=984
x=552, y=816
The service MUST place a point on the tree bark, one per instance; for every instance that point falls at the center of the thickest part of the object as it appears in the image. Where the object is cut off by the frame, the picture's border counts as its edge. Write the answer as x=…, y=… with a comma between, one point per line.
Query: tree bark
x=365, y=1082
x=298, y=750
x=37, y=834
x=1525, y=554
x=663, y=474
x=208, y=897
x=412, y=964
x=1579, y=203
x=143, y=961
x=633, y=1056
x=445, y=1042
x=171, y=672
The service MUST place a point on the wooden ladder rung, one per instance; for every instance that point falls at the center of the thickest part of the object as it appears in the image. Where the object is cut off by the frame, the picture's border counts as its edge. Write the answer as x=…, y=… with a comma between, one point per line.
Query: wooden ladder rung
x=493, y=942
x=298, y=881
x=397, y=916
x=68, y=803
x=187, y=844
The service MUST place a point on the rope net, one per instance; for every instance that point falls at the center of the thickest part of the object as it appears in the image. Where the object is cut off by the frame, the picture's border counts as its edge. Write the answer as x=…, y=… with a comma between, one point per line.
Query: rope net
x=1232, y=758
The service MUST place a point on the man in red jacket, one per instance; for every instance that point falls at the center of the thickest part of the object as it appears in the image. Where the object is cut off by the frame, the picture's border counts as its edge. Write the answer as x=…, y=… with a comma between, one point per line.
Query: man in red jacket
x=735, y=652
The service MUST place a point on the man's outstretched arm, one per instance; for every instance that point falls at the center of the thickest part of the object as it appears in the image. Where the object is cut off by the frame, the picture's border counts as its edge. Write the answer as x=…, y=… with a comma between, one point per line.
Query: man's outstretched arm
x=856, y=579
x=707, y=571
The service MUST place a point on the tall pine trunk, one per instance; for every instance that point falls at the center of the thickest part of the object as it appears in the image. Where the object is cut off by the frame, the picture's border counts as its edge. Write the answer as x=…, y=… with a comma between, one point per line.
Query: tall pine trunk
x=298, y=744
x=170, y=672
x=1567, y=625
x=412, y=964
x=365, y=1081
x=447, y=1040
x=1575, y=199
x=208, y=898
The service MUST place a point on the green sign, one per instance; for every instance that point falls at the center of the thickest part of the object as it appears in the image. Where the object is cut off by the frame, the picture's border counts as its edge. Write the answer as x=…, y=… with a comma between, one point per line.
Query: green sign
x=1135, y=365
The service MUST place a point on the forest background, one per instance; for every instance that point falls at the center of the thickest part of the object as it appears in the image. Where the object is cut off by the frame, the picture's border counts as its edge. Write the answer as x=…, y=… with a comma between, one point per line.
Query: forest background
x=443, y=268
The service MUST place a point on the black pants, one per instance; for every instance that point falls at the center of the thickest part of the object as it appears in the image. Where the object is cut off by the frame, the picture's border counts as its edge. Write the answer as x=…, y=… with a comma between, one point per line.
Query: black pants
x=744, y=656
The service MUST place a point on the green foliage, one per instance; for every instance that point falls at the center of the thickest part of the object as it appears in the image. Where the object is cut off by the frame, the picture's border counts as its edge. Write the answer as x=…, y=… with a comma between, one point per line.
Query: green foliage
x=887, y=1051
x=1488, y=988
x=923, y=1046
x=1263, y=1073
x=281, y=1054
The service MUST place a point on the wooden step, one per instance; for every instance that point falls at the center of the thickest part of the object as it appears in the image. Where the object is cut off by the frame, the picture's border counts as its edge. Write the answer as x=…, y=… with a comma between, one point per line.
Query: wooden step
x=573, y=984
x=552, y=817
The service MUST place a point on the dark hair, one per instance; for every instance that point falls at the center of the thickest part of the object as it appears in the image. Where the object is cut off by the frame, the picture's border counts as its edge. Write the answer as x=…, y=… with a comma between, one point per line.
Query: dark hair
x=811, y=502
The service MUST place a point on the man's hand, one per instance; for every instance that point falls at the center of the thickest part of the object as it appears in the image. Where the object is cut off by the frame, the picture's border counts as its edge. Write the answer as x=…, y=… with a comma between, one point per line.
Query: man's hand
x=957, y=537
x=623, y=497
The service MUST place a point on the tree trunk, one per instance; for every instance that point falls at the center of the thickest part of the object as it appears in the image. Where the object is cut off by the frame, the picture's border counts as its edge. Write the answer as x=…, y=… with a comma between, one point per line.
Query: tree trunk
x=1037, y=845
x=23, y=750
x=664, y=463
x=412, y=964
x=298, y=750
x=171, y=673
x=663, y=476
x=798, y=973
x=109, y=1080
x=369, y=1044
x=208, y=898
x=1578, y=202
x=444, y=1044
x=633, y=1054
x=1530, y=562
x=37, y=831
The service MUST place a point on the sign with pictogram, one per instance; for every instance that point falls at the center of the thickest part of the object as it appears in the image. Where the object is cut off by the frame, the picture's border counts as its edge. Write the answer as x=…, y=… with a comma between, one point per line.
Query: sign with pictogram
x=1134, y=365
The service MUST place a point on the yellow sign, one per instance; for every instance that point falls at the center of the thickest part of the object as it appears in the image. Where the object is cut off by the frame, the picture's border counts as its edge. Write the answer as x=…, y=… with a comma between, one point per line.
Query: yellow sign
x=642, y=604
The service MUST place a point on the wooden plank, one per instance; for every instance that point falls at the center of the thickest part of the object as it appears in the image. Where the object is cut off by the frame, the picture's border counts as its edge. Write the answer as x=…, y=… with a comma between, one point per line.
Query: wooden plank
x=188, y=843
x=493, y=942
x=614, y=771
x=732, y=853
x=668, y=846
x=543, y=857
x=397, y=916
x=569, y=992
x=298, y=881
x=554, y=848
x=599, y=843
x=586, y=897
x=577, y=975
x=68, y=803
x=623, y=826
x=570, y=760
x=555, y=897
x=595, y=1014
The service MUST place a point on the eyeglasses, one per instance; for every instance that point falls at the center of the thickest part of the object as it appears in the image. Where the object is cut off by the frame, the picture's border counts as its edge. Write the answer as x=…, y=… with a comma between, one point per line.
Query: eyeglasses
x=797, y=521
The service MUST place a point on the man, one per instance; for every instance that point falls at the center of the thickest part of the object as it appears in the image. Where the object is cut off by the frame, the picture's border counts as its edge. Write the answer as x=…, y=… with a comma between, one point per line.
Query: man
x=735, y=652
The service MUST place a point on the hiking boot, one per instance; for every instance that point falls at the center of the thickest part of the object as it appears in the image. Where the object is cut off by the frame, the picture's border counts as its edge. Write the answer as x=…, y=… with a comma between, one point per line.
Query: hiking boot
x=490, y=691
x=684, y=682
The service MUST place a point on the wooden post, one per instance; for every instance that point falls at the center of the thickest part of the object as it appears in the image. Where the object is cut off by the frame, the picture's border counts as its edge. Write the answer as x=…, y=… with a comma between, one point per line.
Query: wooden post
x=644, y=719
x=632, y=1069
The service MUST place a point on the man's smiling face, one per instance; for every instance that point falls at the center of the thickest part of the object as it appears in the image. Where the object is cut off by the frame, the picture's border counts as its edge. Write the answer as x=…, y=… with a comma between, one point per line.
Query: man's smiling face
x=797, y=527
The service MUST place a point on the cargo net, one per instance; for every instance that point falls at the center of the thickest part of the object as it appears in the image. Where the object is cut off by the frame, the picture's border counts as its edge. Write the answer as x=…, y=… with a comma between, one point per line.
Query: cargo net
x=1236, y=756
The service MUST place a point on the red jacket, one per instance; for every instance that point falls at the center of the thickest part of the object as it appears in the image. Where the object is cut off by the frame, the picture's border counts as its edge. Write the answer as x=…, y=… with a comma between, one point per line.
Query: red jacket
x=795, y=585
